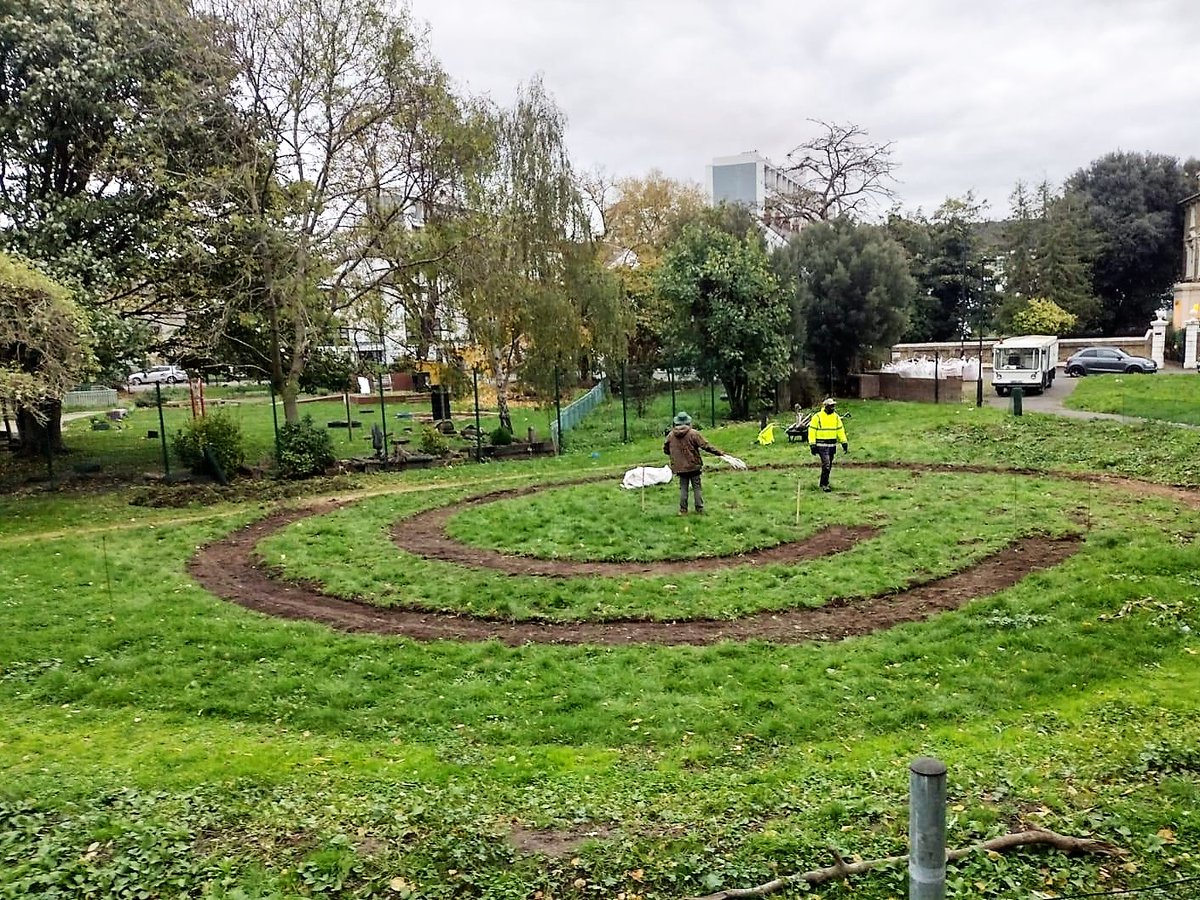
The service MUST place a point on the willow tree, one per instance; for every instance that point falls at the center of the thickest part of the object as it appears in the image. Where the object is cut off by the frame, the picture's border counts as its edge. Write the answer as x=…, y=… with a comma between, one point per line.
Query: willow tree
x=45, y=349
x=526, y=212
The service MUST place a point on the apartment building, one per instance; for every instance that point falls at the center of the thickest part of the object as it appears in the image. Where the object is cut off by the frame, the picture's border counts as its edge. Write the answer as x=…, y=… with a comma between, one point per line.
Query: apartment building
x=752, y=180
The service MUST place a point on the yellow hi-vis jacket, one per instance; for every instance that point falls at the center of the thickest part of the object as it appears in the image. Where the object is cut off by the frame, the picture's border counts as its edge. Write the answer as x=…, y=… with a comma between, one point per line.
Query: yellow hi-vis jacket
x=826, y=428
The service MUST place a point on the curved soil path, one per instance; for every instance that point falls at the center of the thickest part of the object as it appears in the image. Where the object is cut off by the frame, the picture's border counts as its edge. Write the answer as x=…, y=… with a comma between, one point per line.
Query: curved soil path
x=425, y=535
x=230, y=569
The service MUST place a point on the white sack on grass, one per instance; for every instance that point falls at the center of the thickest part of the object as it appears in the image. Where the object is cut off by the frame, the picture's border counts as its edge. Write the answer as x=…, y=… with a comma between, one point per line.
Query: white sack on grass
x=644, y=476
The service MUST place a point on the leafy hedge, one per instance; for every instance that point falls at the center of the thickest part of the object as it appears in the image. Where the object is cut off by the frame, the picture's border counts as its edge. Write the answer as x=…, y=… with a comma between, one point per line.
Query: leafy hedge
x=304, y=450
x=218, y=432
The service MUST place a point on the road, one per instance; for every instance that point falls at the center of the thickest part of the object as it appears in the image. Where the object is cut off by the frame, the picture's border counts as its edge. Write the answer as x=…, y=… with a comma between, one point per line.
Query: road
x=1051, y=402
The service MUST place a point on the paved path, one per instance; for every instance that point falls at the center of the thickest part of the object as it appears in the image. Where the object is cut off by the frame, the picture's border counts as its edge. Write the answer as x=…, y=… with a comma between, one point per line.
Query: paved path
x=1051, y=402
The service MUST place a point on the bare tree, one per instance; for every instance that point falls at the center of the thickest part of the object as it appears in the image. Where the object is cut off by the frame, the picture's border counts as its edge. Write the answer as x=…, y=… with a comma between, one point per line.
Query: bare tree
x=838, y=173
x=323, y=86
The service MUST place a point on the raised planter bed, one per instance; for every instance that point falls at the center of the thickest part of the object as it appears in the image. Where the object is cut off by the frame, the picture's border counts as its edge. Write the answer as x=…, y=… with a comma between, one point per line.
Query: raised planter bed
x=515, y=450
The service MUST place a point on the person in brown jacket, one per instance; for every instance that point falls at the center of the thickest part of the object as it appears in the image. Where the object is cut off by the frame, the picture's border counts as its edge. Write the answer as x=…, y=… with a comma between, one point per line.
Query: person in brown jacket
x=683, y=445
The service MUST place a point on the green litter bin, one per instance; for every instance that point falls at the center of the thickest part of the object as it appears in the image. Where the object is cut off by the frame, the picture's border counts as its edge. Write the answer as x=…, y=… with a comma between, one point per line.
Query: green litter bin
x=1018, y=395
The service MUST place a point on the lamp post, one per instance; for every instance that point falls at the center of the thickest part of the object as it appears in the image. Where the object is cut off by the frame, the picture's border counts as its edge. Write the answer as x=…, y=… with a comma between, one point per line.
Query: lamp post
x=982, y=307
x=979, y=380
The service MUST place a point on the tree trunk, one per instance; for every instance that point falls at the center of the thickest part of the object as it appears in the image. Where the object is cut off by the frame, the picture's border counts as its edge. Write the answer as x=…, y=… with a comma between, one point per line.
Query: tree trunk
x=500, y=380
x=428, y=321
x=739, y=397
x=37, y=436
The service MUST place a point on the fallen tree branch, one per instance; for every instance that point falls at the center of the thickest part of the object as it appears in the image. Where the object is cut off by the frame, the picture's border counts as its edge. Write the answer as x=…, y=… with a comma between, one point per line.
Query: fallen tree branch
x=842, y=869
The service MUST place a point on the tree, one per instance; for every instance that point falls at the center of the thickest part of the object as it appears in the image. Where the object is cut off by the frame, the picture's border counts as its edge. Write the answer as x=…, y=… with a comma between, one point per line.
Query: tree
x=1048, y=247
x=853, y=293
x=839, y=173
x=730, y=314
x=322, y=168
x=605, y=316
x=646, y=214
x=526, y=213
x=45, y=348
x=109, y=107
x=1042, y=316
x=638, y=218
x=1132, y=202
x=948, y=258
x=446, y=141
x=106, y=103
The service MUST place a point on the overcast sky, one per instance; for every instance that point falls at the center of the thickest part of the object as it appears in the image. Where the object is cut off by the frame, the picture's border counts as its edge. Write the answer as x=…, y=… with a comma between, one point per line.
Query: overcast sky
x=975, y=96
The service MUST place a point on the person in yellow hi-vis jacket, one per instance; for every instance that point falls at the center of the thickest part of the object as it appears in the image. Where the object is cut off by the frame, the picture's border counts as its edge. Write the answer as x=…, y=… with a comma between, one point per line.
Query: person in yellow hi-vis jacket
x=825, y=432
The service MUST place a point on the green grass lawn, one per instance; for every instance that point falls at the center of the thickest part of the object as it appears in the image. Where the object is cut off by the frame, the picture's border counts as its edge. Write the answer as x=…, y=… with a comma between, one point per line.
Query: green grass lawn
x=157, y=742
x=933, y=524
x=1171, y=398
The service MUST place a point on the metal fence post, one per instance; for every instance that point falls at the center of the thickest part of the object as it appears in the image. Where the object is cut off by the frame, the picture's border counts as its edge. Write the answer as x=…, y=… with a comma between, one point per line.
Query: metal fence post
x=558, y=410
x=162, y=430
x=478, y=426
x=712, y=400
x=671, y=379
x=624, y=408
x=926, y=829
x=274, y=419
x=383, y=410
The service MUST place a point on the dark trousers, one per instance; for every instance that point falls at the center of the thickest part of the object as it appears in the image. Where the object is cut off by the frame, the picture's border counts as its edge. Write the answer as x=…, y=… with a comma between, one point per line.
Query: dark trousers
x=692, y=478
x=827, y=452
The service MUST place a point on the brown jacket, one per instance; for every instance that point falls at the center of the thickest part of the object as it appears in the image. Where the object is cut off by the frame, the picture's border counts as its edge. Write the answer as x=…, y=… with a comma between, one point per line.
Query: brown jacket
x=683, y=445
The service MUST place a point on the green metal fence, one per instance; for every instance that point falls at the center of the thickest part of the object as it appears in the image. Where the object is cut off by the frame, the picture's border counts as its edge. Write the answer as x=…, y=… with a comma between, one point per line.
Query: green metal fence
x=573, y=414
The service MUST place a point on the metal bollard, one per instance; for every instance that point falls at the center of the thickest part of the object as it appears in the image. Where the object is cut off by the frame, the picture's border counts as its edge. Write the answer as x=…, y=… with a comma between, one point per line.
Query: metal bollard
x=1018, y=395
x=926, y=829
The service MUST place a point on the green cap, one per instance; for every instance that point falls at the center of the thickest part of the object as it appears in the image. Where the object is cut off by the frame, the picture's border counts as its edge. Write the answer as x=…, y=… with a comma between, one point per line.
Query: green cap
x=682, y=419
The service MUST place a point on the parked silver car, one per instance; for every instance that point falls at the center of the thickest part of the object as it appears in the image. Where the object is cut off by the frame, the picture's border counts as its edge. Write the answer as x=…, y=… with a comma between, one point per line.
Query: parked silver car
x=1100, y=360
x=159, y=375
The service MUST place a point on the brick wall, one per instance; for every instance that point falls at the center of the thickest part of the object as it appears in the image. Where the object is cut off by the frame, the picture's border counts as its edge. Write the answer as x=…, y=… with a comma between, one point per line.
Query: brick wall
x=890, y=386
x=1136, y=345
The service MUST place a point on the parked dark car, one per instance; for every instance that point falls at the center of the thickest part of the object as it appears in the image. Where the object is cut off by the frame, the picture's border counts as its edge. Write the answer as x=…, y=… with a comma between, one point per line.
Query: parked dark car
x=1101, y=360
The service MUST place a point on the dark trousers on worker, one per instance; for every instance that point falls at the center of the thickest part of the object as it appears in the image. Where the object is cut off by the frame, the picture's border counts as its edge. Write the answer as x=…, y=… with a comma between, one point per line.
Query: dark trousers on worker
x=827, y=452
x=693, y=479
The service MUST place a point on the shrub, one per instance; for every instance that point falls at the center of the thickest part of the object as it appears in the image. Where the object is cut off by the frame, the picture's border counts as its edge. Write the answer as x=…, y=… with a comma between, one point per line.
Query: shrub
x=304, y=449
x=502, y=437
x=327, y=372
x=217, y=431
x=434, y=442
x=1042, y=316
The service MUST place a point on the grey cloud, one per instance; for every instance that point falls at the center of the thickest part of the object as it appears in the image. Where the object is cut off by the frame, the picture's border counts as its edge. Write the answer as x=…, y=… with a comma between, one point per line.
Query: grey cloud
x=975, y=96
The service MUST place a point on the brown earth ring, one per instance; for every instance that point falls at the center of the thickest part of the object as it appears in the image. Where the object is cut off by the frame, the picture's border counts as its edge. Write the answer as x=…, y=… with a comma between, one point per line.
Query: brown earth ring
x=424, y=534
x=229, y=569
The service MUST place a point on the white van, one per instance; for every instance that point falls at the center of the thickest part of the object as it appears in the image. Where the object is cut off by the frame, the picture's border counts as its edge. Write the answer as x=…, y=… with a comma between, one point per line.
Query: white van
x=1028, y=362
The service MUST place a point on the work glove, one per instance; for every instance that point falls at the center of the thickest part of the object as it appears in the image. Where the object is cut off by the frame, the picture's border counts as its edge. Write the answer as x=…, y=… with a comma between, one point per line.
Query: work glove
x=812, y=448
x=733, y=462
x=845, y=448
